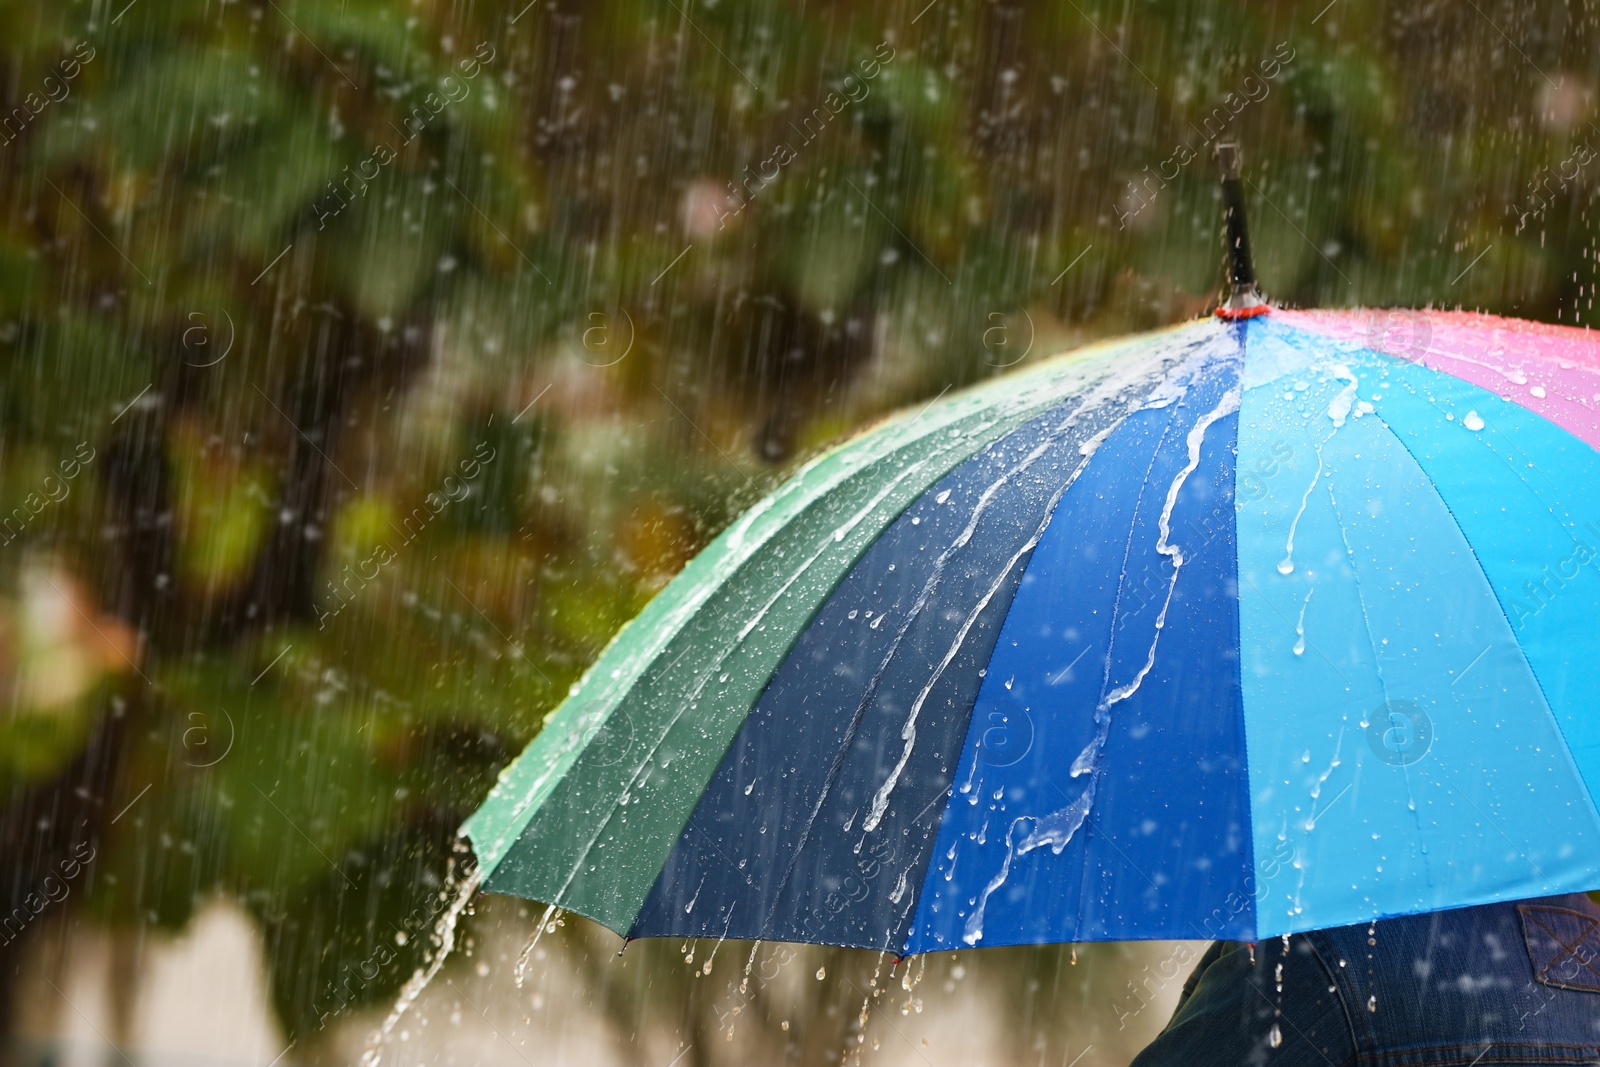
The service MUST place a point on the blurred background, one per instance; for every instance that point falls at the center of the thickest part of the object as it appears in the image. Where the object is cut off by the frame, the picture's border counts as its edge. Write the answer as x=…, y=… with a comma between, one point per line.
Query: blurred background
x=365, y=364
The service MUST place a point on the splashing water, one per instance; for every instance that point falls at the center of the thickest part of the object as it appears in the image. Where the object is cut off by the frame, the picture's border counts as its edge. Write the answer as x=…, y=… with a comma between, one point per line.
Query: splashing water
x=909, y=982
x=706, y=967
x=749, y=965
x=520, y=972
x=856, y=1040
x=444, y=942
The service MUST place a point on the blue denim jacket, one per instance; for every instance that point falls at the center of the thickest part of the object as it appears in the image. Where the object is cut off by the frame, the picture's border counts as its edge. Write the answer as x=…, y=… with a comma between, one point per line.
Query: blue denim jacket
x=1514, y=983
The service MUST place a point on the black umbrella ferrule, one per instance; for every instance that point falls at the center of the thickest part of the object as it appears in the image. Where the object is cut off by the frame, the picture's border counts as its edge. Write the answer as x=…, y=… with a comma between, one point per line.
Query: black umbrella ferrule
x=1241, y=299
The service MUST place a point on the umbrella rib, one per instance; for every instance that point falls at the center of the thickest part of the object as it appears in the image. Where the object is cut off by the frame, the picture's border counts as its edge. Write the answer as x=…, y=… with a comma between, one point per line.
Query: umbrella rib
x=843, y=750
x=1111, y=641
x=1309, y=643
x=1051, y=392
x=1381, y=682
x=905, y=627
x=1537, y=681
x=1127, y=554
x=683, y=708
x=1451, y=380
x=1536, y=869
x=1051, y=506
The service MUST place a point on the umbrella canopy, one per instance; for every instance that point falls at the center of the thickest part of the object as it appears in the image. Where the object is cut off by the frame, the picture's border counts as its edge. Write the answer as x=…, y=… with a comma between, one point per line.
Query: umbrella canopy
x=1233, y=630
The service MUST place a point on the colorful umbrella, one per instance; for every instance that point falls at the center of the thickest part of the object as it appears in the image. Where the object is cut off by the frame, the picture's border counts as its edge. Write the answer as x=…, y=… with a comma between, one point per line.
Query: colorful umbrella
x=1234, y=630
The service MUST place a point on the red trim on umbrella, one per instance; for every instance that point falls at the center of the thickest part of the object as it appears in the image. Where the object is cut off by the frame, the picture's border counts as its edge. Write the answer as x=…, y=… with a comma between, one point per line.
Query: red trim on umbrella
x=1234, y=314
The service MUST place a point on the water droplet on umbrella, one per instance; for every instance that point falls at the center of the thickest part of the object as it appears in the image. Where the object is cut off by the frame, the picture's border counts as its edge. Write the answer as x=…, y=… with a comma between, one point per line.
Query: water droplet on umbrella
x=1473, y=421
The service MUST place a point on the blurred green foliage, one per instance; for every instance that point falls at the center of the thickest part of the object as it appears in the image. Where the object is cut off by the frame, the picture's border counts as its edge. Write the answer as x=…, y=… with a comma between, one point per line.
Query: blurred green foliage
x=287, y=266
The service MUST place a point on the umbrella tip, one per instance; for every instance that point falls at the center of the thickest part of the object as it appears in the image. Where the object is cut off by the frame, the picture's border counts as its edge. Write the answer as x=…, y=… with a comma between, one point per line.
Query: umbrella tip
x=1241, y=300
x=1228, y=160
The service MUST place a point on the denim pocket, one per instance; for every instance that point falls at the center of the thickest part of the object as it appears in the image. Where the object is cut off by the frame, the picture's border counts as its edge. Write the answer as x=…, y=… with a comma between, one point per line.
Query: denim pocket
x=1563, y=946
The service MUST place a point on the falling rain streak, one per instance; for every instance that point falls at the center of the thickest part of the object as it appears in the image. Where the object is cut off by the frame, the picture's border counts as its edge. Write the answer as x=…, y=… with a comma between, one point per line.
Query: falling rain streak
x=370, y=372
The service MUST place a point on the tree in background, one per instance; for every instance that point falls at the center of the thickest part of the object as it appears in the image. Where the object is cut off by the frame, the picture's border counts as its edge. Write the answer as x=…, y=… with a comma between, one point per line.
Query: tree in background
x=401, y=350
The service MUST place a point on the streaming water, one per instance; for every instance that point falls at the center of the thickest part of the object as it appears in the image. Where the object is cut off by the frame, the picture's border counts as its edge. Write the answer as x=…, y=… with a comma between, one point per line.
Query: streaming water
x=1103, y=395
x=546, y=922
x=443, y=943
x=1058, y=828
x=1286, y=565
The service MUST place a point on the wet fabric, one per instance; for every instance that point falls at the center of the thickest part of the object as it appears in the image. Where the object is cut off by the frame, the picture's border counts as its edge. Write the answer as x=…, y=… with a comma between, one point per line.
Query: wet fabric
x=1362, y=601
x=1134, y=713
x=952, y=686
x=789, y=847
x=1497, y=984
x=587, y=816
